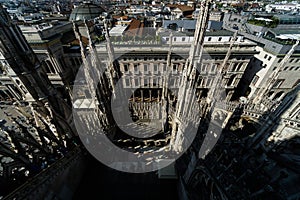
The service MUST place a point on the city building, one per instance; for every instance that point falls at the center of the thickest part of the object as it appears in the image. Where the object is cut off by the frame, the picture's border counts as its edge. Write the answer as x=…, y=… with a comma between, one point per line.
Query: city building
x=49, y=42
x=36, y=128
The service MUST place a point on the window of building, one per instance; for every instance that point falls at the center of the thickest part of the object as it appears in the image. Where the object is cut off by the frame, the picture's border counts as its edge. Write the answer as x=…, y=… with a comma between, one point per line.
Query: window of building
x=204, y=66
x=47, y=69
x=213, y=68
x=209, y=39
x=23, y=89
x=235, y=66
x=125, y=67
x=279, y=60
x=155, y=67
x=127, y=82
x=292, y=60
x=136, y=82
x=136, y=69
x=231, y=80
x=50, y=66
x=266, y=55
x=220, y=39
x=278, y=95
x=174, y=39
x=204, y=81
x=208, y=83
x=270, y=57
x=286, y=68
x=240, y=67
x=165, y=67
x=183, y=39
x=199, y=81
x=172, y=82
x=255, y=79
x=270, y=93
x=174, y=67
x=278, y=83
x=167, y=39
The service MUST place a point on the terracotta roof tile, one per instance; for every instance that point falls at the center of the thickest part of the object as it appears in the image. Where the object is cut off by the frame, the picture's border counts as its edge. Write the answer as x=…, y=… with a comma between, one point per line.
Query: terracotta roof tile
x=135, y=28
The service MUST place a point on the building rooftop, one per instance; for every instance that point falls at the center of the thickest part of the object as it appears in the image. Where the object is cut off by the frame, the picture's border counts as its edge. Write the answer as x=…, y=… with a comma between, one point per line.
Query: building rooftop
x=190, y=24
x=219, y=33
x=288, y=19
x=117, y=30
x=286, y=34
x=135, y=28
x=185, y=24
x=86, y=11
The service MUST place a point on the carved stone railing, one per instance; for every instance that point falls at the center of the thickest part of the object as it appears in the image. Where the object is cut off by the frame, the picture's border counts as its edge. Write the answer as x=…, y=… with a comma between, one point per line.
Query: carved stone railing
x=248, y=110
x=292, y=123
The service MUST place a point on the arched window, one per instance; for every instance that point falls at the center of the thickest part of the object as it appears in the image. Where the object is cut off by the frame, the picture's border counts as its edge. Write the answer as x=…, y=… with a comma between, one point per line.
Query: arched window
x=278, y=95
x=270, y=93
x=23, y=89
